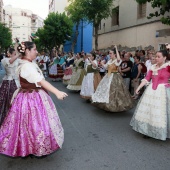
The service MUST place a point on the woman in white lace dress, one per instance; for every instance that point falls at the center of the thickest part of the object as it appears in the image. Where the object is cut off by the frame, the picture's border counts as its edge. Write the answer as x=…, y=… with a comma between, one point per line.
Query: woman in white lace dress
x=111, y=93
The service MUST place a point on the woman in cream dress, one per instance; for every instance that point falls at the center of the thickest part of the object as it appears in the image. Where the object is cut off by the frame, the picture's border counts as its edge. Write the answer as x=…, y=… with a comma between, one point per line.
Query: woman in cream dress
x=112, y=94
x=78, y=74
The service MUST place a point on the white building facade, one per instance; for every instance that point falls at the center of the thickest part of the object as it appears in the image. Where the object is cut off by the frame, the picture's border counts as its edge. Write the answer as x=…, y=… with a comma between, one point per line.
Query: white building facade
x=131, y=30
x=1, y=11
x=22, y=23
x=57, y=5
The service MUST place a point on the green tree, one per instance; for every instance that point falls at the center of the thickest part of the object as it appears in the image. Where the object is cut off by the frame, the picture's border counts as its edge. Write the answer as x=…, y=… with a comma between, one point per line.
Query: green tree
x=163, y=9
x=94, y=11
x=74, y=11
x=56, y=31
x=5, y=37
x=42, y=42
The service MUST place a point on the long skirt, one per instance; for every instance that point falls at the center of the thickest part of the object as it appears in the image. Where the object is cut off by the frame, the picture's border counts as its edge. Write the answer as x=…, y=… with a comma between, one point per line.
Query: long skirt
x=112, y=94
x=60, y=72
x=7, y=90
x=152, y=114
x=32, y=126
x=76, y=80
x=89, y=85
x=67, y=76
x=53, y=71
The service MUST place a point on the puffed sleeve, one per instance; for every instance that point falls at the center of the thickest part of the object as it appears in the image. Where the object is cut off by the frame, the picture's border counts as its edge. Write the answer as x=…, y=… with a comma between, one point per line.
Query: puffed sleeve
x=96, y=64
x=168, y=66
x=6, y=63
x=118, y=62
x=106, y=65
x=31, y=73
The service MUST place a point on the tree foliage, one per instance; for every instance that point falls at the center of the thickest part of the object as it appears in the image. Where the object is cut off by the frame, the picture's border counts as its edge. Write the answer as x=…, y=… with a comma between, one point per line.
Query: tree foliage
x=163, y=9
x=5, y=37
x=94, y=11
x=56, y=31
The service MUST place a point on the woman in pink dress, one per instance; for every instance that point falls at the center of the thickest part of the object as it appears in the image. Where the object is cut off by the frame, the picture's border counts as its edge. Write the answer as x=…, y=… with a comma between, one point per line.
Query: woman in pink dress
x=152, y=114
x=32, y=126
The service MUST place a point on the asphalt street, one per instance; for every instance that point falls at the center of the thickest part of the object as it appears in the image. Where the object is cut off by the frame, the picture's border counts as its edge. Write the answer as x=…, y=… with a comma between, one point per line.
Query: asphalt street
x=96, y=140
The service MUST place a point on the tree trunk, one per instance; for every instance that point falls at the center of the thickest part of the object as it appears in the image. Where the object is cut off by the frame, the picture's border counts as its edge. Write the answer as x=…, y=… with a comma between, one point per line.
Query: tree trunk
x=96, y=36
x=75, y=38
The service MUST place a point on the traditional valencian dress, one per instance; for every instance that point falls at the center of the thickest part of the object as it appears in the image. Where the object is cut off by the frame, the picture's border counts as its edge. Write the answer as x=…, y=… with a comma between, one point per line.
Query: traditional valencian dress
x=53, y=68
x=9, y=85
x=77, y=76
x=111, y=93
x=32, y=125
x=68, y=71
x=90, y=80
x=152, y=114
x=60, y=69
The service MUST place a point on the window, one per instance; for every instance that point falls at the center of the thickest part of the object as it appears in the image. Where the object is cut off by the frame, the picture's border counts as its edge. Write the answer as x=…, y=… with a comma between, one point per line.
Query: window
x=115, y=16
x=141, y=10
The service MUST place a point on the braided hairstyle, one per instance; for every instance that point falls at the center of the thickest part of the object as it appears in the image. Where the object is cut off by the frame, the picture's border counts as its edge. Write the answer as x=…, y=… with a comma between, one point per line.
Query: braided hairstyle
x=25, y=45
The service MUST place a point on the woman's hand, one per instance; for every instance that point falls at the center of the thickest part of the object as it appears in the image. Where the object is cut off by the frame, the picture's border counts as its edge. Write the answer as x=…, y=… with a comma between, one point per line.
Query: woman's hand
x=167, y=46
x=137, y=90
x=61, y=95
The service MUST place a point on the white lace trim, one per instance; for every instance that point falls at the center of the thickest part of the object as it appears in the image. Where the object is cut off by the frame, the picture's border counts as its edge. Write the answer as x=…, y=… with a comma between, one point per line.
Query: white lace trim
x=102, y=92
x=68, y=59
x=110, y=62
x=155, y=70
x=87, y=88
x=74, y=87
x=152, y=108
x=147, y=82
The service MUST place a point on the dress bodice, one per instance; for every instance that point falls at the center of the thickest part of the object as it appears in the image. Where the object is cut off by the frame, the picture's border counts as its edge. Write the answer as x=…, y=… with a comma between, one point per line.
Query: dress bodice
x=56, y=60
x=159, y=76
x=112, y=68
x=70, y=62
x=79, y=63
x=62, y=60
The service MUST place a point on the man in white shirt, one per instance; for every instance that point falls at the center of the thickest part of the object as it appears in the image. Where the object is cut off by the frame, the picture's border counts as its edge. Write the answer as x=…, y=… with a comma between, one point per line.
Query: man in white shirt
x=148, y=63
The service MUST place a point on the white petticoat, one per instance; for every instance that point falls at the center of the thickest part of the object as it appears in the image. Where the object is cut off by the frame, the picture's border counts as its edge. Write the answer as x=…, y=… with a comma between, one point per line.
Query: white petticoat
x=87, y=88
x=151, y=116
x=102, y=92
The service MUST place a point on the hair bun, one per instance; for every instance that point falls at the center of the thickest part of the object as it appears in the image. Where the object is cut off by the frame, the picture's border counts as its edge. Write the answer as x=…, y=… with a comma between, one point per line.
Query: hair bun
x=21, y=48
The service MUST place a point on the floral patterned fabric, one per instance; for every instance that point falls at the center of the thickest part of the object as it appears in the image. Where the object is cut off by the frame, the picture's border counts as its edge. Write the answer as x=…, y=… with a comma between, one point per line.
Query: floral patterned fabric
x=112, y=94
x=152, y=114
x=32, y=126
x=7, y=90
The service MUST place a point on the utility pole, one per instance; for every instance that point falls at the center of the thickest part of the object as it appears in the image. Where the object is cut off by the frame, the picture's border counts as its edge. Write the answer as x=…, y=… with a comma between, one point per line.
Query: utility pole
x=82, y=35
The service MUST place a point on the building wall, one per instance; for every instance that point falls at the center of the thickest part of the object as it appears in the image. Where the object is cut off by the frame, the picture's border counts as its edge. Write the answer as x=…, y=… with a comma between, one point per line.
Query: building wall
x=1, y=11
x=133, y=32
x=57, y=5
x=22, y=22
x=84, y=40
